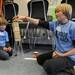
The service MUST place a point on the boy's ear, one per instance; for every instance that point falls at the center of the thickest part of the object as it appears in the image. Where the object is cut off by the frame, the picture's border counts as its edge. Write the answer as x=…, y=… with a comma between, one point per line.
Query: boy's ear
x=68, y=15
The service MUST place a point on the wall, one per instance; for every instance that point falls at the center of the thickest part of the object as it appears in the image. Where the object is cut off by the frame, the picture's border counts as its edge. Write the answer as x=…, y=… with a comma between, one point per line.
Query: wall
x=22, y=6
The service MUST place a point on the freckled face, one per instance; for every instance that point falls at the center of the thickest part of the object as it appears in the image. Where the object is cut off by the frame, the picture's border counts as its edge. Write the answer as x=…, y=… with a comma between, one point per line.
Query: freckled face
x=59, y=15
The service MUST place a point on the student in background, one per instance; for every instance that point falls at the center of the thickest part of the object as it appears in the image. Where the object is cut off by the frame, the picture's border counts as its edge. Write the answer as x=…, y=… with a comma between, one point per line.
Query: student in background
x=5, y=49
x=63, y=56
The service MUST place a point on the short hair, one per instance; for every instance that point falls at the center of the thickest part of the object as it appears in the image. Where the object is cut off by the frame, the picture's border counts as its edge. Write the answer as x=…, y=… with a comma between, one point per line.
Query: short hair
x=3, y=21
x=66, y=9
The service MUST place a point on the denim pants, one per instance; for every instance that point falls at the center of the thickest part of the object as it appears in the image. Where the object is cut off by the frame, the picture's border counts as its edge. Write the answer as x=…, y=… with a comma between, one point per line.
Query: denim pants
x=5, y=55
x=53, y=66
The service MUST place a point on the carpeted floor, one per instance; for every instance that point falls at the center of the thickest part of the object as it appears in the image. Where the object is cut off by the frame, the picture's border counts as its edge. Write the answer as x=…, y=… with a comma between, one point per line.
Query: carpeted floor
x=20, y=66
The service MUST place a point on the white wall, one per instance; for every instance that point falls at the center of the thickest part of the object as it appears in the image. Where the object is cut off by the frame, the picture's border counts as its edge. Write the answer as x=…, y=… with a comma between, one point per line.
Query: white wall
x=22, y=6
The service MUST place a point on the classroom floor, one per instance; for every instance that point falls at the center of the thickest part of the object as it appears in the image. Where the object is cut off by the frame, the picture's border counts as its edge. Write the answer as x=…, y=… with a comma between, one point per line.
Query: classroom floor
x=21, y=65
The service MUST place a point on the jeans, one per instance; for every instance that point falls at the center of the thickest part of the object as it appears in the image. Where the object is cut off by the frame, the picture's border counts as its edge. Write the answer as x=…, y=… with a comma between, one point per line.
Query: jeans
x=54, y=65
x=5, y=55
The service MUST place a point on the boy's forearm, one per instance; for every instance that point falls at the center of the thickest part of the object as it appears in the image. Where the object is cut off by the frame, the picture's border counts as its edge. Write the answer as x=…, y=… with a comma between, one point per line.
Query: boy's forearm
x=69, y=53
x=36, y=22
x=31, y=20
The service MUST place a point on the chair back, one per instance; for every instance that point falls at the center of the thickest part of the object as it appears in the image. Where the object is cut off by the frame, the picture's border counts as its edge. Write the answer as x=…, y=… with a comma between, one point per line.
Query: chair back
x=38, y=9
x=10, y=10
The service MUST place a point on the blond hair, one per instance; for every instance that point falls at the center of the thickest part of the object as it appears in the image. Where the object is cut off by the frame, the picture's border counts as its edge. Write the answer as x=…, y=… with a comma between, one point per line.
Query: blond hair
x=66, y=9
x=3, y=21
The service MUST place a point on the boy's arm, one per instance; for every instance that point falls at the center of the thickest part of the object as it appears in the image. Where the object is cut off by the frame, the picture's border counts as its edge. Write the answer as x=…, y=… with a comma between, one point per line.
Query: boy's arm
x=33, y=21
x=7, y=44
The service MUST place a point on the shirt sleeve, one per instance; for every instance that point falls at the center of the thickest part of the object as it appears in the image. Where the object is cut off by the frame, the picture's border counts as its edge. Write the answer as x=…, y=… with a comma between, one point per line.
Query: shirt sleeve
x=73, y=36
x=53, y=25
x=44, y=24
x=48, y=25
x=6, y=39
x=72, y=31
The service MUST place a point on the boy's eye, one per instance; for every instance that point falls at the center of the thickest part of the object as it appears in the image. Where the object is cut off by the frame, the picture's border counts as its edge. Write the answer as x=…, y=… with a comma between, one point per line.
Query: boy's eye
x=3, y=26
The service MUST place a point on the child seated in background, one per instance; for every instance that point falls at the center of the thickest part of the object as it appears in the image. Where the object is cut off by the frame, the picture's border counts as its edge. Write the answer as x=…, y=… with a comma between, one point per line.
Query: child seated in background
x=5, y=49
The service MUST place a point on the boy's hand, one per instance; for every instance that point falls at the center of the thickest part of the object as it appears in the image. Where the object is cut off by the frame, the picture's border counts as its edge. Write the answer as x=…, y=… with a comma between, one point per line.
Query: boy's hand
x=18, y=18
x=21, y=18
x=9, y=49
x=5, y=49
x=15, y=18
x=54, y=55
x=57, y=54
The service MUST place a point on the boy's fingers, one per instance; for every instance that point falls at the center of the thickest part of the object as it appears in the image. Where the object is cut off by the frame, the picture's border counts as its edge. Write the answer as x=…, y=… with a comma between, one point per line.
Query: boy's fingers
x=15, y=17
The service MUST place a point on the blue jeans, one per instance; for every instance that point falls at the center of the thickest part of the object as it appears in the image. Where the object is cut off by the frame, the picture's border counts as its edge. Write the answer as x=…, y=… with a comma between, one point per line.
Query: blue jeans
x=5, y=55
